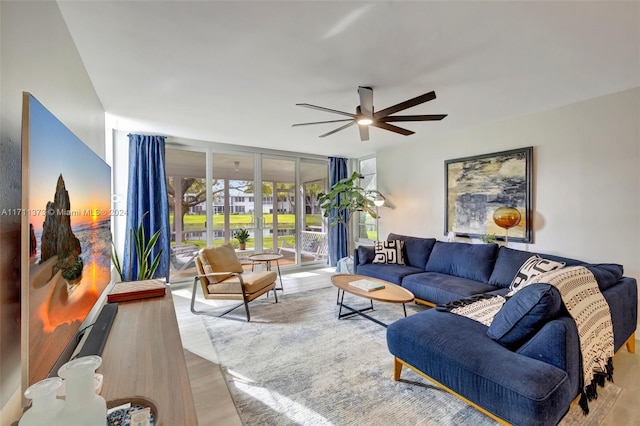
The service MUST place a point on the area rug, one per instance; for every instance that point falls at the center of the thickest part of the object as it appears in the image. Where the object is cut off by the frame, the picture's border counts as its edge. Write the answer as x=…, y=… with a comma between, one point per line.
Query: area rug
x=295, y=363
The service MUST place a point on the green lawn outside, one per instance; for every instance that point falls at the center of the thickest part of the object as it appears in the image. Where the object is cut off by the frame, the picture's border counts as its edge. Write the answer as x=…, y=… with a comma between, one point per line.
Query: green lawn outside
x=267, y=241
x=194, y=222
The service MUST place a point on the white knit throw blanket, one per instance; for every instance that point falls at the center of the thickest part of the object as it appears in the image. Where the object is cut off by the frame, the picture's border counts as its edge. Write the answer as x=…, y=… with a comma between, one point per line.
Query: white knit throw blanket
x=483, y=310
x=589, y=309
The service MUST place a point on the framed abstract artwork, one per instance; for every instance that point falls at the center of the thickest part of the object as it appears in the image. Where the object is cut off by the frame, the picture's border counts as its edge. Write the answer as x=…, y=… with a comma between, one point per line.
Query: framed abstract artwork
x=475, y=187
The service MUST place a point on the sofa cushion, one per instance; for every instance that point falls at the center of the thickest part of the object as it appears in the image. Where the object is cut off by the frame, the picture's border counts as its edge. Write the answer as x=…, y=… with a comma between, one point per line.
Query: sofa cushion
x=388, y=272
x=533, y=267
x=416, y=249
x=472, y=261
x=510, y=260
x=524, y=314
x=606, y=274
x=507, y=265
x=440, y=288
x=390, y=252
x=253, y=282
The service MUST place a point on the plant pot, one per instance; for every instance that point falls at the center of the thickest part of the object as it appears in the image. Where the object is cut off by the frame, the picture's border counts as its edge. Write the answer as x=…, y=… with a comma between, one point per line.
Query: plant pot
x=242, y=246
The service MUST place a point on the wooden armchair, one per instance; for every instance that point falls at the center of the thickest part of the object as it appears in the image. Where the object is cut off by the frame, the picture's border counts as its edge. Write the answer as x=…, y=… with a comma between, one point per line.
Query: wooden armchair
x=221, y=277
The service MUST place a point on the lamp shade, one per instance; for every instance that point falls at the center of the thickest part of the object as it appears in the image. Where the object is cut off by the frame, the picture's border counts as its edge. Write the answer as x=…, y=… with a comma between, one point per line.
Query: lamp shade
x=507, y=217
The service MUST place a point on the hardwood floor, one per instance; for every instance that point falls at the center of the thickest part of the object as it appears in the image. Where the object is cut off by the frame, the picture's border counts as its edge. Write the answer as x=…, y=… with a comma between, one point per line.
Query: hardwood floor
x=215, y=406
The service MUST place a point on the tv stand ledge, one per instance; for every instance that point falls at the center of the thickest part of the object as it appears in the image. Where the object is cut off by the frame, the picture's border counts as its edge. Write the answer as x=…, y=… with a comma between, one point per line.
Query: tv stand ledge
x=144, y=357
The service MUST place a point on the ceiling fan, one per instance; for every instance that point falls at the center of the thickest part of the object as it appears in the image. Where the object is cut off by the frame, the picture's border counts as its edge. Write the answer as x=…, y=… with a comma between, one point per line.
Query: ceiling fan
x=365, y=116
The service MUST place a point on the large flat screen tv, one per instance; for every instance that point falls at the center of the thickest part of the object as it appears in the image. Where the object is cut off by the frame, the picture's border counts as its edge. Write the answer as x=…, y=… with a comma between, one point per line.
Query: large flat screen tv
x=66, y=239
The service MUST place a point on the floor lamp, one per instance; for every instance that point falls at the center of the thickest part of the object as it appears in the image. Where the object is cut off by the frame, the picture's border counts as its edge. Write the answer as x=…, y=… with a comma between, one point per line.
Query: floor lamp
x=379, y=201
x=507, y=217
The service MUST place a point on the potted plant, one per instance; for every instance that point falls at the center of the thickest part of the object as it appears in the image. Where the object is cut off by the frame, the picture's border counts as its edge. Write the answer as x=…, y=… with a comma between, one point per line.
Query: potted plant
x=347, y=196
x=146, y=265
x=242, y=235
x=489, y=238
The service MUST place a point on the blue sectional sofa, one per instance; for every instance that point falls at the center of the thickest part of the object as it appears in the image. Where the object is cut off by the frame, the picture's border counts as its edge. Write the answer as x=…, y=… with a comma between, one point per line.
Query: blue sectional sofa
x=530, y=380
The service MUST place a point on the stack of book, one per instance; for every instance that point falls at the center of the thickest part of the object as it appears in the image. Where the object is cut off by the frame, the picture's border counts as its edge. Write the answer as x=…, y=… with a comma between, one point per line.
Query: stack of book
x=133, y=290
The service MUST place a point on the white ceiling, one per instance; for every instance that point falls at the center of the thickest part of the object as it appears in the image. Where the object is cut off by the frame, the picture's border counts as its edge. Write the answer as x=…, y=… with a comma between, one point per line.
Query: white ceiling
x=232, y=71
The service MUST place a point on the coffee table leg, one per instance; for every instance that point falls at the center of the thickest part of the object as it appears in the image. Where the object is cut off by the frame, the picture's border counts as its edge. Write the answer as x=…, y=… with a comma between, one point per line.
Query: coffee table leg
x=360, y=312
x=404, y=308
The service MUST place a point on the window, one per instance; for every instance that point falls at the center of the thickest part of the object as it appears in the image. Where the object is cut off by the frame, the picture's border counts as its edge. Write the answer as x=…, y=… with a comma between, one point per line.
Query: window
x=368, y=229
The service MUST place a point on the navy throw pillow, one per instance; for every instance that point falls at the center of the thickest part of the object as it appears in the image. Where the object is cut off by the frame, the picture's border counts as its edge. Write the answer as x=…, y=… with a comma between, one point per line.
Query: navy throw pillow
x=524, y=314
x=365, y=254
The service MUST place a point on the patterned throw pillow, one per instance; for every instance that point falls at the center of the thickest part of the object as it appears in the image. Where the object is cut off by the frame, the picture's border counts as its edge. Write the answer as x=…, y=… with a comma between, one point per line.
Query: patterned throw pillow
x=533, y=267
x=389, y=252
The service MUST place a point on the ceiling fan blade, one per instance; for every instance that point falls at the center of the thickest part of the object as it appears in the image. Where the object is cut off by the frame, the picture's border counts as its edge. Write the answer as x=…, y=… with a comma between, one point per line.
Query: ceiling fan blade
x=335, y=111
x=431, y=117
x=366, y=100
x=406, y=104
x=321, y=122
x=338, y=129
x=364, y=133
x=392, y=128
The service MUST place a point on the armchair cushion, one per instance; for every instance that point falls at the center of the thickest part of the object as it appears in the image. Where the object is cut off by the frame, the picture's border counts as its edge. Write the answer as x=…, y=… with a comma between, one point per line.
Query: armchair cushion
x=253, y=282
x=219, y=259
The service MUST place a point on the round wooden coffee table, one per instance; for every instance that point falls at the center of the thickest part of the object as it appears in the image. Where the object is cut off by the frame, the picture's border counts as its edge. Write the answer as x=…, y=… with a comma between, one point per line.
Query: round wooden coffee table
x=391, y=293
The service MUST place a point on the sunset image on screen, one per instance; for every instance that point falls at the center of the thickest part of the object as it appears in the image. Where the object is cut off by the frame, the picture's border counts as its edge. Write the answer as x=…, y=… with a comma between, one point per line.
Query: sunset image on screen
x=69, y=216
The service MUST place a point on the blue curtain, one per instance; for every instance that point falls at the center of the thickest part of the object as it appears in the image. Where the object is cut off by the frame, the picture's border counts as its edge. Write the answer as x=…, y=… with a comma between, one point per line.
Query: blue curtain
x=147, y=192
x=338, y=242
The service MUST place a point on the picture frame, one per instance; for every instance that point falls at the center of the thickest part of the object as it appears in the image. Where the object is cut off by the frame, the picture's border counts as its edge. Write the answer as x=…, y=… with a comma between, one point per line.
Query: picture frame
x=478, y=185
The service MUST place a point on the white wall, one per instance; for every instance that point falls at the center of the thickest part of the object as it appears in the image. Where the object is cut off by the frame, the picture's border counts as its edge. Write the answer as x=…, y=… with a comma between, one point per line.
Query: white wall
x=586, y=178
x=38, y=56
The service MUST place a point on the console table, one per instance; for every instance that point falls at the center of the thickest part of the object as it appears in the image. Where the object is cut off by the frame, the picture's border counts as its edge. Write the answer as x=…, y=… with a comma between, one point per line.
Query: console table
x=143, y=358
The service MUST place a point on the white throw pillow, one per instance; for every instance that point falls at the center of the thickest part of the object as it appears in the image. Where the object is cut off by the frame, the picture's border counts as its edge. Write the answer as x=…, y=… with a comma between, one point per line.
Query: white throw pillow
x=532, y=267
x=389, y=252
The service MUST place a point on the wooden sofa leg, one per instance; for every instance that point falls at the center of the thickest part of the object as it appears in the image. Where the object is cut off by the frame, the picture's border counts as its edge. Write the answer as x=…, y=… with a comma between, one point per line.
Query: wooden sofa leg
x=631, y=344
x=397, y=369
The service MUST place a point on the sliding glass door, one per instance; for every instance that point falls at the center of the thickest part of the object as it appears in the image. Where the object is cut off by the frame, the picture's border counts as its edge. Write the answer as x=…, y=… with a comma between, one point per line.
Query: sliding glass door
x=213, y=194
x=279, y=216
x=233, y=205
x=186, y=186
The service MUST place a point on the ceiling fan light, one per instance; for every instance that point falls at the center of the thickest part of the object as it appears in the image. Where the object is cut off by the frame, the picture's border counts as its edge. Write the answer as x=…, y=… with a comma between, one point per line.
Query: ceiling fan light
x=364, y=121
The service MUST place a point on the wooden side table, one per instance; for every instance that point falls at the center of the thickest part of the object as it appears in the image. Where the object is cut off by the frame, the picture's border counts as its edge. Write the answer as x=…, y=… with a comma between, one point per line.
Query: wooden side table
x=267, y=258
